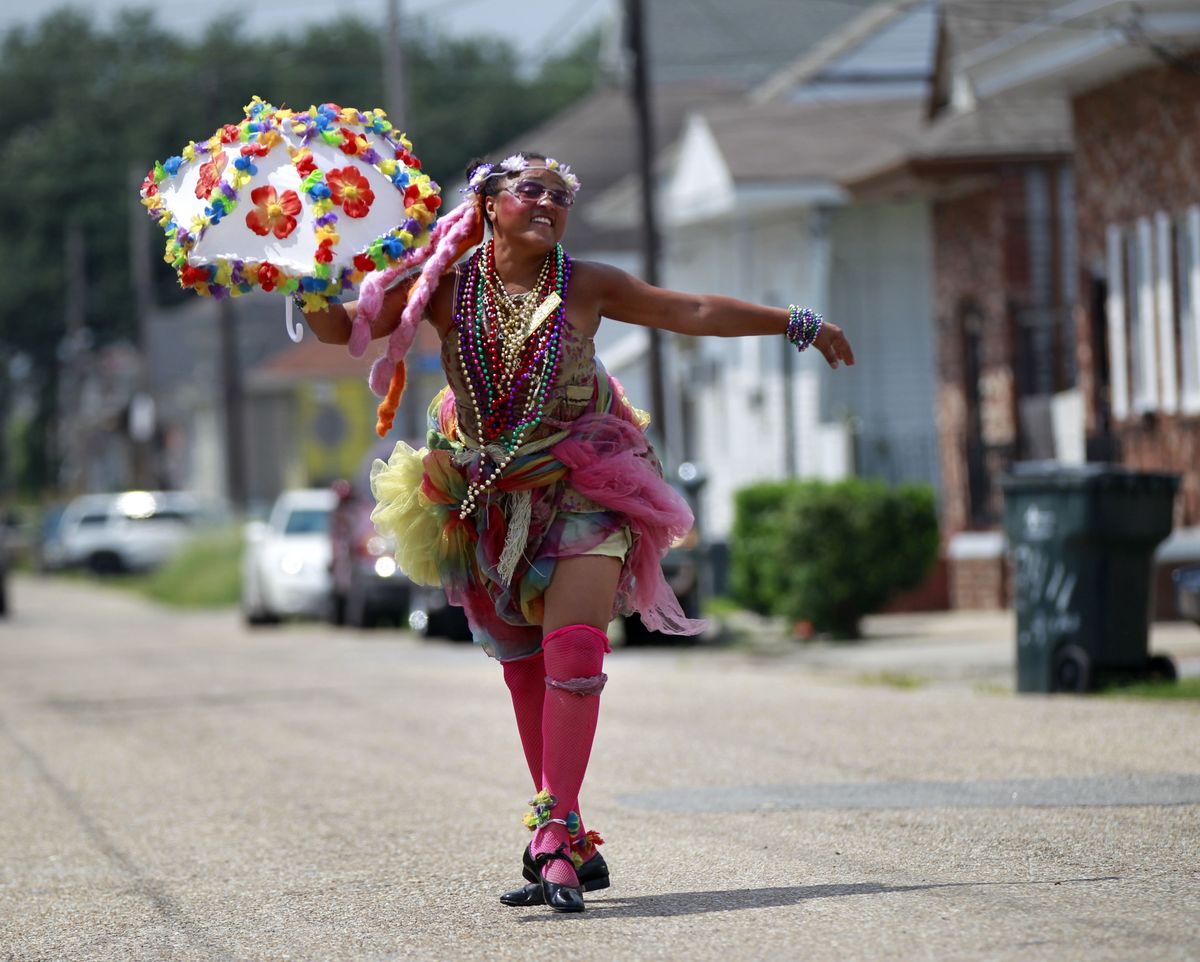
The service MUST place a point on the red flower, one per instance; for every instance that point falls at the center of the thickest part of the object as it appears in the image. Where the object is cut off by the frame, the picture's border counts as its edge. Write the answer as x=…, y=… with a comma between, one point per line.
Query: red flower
x=255, y=150
x=351, y=143
x=191, y=276
x=351, y=190
x=149, y=187
x=305, y=164
x=210, y=175
x=408, y=159
x=432, y=202
x=268, y=274
x=230, y=133
x=364, y=262
x=412, y=193
x=272, y=214
x=324, y=251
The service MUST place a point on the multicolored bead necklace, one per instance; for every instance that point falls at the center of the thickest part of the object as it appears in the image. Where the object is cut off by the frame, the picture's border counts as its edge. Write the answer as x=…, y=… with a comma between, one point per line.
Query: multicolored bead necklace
x=508, y=349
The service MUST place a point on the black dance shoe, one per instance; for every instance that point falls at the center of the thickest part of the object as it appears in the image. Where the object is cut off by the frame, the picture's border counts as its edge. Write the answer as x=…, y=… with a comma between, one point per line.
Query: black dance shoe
x=561, y=898
x=593, y=875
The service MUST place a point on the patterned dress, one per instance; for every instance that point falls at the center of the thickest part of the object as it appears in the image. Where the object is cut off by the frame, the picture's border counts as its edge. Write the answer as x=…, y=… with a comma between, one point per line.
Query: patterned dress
x=586, y=481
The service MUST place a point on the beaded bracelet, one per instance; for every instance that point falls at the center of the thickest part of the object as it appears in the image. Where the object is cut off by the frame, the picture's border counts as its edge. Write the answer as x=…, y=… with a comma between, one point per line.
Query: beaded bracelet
x=804, y=324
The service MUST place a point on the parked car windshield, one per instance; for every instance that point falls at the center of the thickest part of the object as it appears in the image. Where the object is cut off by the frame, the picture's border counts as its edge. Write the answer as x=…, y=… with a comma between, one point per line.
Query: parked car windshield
x=307, y=521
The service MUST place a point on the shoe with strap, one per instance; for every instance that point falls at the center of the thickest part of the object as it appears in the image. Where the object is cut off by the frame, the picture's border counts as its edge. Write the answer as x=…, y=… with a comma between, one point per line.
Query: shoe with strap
x=593, y=873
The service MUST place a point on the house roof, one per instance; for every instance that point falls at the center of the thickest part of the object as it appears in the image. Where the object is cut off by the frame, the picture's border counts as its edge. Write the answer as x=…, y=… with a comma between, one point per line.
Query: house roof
x=818, y=58
x=596, y=137
x=1076, y=46
x=785, y=141
x=1004, y=130
x=744, y=43
x=970, y=26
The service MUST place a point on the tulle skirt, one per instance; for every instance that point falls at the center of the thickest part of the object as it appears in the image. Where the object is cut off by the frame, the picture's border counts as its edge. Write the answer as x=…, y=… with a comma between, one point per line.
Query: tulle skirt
x=560, y=498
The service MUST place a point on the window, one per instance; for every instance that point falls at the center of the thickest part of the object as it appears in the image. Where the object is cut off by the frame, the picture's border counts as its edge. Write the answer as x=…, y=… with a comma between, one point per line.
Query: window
x=1142, y=341
x=1115, y=311
x=1187, y=305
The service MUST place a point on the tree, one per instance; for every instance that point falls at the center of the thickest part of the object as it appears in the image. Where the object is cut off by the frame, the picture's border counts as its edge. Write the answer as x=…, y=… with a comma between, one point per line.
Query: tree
x=93, y=105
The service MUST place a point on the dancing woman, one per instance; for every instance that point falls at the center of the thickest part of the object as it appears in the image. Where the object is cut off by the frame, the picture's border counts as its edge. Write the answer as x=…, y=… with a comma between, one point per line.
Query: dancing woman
x=539, y=504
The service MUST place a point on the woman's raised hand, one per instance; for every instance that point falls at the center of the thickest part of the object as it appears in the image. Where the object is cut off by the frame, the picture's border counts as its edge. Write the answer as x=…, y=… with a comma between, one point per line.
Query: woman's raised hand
x=832, y=343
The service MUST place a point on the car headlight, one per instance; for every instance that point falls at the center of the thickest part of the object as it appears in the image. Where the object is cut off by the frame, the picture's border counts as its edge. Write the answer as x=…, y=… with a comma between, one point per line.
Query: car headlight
x=385, y=567
x=292, y=563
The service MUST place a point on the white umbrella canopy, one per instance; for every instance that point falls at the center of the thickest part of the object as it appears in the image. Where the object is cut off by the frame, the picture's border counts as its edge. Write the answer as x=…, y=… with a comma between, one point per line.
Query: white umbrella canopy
x=292, y=201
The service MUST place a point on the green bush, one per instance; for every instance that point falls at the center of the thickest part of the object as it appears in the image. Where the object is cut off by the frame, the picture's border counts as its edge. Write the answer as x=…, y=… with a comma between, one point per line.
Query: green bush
x=831, y=553
x=755, y=545
x=205, y=573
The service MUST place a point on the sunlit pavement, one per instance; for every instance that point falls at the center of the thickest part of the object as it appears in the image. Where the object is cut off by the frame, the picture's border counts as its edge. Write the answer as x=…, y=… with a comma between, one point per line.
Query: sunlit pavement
x=173, y=786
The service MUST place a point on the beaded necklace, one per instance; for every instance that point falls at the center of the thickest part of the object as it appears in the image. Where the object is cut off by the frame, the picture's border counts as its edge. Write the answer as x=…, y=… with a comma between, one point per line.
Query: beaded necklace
x=508, y=350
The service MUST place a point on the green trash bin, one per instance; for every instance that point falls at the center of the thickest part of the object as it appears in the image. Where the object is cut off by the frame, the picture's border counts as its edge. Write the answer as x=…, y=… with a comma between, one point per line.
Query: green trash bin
x=1082, y=541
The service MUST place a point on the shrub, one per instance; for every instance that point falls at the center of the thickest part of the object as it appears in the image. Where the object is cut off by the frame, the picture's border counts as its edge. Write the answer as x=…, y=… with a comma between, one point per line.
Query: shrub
x=831, y=553
x=204, y=573
x=754, y=546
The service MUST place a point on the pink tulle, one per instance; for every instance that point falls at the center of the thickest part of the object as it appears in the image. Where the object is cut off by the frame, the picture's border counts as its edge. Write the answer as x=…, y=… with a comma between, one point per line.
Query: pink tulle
x=605, y=457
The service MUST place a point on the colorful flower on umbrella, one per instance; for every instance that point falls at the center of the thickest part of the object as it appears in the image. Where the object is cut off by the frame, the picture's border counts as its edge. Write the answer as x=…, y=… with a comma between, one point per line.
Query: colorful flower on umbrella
x=364, y=262
x=230, y=133
x=273, y=214
x=304, y=162
x=210, y=175
x=191, y=276
x=268, y=274
x=351, y=190
x=353, y=143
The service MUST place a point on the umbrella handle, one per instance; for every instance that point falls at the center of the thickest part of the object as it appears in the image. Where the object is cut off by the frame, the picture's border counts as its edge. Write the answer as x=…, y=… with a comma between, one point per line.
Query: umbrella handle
x=294, y=329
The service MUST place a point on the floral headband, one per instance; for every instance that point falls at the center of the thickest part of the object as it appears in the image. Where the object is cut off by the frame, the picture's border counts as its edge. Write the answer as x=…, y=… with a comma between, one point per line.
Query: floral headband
x=514, y=165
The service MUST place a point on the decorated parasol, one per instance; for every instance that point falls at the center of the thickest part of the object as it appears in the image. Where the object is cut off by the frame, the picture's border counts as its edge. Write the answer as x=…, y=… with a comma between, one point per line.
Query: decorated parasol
x=299, y=202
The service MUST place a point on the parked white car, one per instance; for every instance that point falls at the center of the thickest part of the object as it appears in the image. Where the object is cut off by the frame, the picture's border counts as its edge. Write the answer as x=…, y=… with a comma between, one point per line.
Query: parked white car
x=285, y=567
x=126, y=531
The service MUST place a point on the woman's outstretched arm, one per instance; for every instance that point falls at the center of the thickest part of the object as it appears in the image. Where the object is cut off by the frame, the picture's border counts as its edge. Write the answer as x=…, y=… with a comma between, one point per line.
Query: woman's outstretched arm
x=332, y=325
x=624, y=297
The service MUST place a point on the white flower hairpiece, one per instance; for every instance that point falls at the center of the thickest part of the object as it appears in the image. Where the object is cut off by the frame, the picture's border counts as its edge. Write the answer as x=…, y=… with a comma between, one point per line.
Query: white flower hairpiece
x=515, y=163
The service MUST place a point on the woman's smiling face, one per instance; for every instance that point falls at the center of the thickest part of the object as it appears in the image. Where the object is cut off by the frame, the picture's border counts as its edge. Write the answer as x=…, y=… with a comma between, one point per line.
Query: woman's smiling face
x=519, y=216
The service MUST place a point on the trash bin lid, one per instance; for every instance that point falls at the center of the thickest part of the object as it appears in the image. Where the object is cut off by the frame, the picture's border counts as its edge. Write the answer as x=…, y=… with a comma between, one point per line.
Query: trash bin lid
x=1056, y=476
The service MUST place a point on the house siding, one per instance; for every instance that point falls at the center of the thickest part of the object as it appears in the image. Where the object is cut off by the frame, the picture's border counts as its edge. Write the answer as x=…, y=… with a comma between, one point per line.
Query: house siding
x=1137, y=154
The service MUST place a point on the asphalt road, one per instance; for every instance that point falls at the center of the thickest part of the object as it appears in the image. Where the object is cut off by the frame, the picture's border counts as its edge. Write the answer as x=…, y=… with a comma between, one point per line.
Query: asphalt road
x=173, y=787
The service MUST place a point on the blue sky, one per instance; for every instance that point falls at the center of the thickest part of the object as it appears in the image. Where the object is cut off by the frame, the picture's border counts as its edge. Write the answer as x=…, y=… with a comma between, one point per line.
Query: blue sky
x=537, y=27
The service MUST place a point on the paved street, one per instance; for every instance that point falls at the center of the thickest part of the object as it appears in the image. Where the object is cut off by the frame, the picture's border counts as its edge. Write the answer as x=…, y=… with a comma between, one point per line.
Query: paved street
x=174, y=787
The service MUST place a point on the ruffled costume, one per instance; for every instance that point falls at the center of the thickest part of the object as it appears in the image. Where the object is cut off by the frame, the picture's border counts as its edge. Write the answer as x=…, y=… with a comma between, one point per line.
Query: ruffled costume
x=587, y=480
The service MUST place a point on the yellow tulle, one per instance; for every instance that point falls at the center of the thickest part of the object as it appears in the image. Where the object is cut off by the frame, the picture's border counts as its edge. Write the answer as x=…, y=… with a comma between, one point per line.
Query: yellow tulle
x=404, y=514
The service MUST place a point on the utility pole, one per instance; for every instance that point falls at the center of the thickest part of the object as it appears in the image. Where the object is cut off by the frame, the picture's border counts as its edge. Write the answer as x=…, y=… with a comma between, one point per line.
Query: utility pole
x=396, y=103
x=142, y=420
x=235, y=405
x=635, y=39
x=394, y=90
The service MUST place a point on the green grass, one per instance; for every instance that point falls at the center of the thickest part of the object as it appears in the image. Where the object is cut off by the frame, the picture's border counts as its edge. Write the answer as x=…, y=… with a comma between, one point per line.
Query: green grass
x=1186, y=689
x=893, y=679
x=204, y=574
x=719, y=606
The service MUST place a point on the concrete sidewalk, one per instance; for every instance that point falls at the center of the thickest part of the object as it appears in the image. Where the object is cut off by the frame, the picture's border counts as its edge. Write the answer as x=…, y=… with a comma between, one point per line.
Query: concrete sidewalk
x=943, y=647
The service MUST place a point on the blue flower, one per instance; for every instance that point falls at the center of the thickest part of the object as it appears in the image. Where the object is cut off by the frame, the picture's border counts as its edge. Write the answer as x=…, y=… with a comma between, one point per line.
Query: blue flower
x=172, y=164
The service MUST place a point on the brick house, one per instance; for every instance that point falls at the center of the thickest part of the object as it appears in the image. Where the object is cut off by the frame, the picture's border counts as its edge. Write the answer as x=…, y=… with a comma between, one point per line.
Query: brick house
x=1131, y=79
x=997, y=180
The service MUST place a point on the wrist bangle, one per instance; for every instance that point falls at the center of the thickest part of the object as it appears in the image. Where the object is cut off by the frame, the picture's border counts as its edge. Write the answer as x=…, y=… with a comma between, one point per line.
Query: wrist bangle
x=804, y=324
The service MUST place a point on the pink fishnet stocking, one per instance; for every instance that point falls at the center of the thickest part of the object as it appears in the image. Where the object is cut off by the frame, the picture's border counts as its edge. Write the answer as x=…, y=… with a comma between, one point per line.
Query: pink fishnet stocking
x=574, y=657
x=526, y=680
